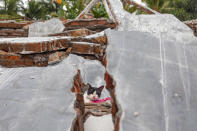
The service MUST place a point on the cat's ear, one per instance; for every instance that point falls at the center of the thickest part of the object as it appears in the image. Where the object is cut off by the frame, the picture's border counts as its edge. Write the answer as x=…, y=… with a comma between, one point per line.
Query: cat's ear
x=101, y=88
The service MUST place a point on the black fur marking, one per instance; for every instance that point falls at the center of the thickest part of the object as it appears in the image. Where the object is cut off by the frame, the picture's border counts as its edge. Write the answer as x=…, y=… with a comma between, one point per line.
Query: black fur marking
x=91, y=90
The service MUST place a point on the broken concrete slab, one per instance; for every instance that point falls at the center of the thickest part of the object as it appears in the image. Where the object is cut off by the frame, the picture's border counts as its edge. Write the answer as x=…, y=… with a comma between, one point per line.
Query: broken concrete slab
x=154, y=77
x=45, y=28
x=37, y=98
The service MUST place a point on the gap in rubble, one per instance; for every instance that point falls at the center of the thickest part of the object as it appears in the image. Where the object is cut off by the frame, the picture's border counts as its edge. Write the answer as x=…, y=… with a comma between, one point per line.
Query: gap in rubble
x=95, y=116
x=98, y=116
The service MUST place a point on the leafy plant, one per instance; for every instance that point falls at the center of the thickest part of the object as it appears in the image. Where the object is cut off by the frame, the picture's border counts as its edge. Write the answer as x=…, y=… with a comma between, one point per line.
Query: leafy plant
x=74, y=8
x=129, y=8
x=99, y=11
x=10, y=7
x=45, y=9
x=182, y=9
x=35, y=10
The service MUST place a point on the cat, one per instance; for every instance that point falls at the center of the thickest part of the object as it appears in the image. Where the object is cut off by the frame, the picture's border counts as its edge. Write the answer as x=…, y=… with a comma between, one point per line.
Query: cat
x=92, y=93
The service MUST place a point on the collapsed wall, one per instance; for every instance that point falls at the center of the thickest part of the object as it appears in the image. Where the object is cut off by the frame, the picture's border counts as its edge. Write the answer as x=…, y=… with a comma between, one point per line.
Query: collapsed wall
x=155, y=81
x=37, y=98
x=152, y=61
x=49, y=43
x=9, y=29
x=151, y=66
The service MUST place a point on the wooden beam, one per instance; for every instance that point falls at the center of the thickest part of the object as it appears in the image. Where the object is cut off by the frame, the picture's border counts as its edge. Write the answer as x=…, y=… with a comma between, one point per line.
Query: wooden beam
x=108, y=10
x=87, y=9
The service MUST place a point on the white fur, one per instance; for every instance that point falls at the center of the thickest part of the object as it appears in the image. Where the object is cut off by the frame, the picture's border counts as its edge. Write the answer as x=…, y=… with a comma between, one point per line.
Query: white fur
x=89, y=98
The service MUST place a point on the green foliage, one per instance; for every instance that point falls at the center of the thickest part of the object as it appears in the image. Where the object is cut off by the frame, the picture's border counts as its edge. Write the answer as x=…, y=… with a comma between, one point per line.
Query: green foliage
x=157, y=5
x=129, y=8
x=73, y=8
x=45, y=9
x=10, y=7
x=99, y=11
x=35, y=10
x=182, y=9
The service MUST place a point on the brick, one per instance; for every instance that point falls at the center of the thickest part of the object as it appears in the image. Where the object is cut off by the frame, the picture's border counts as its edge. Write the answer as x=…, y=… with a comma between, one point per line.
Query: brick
x=82, y=49
x=7, y=63
x=27, y=57
x=54, y=44
x=58, y=44
x=75, y=33
x=75, y=23
x=32, y=47
x=9, y=56
x=41, y=64
x=16, y=47
x=97, y=50
x=12, y=57
x=94, y=24
x=20, y=62
x=4, y=34
x=4, y=46
x=28, y=62
x=44, y=46
x=64, y=43
x=100, y=40
x=12, y=25
x=49, y=46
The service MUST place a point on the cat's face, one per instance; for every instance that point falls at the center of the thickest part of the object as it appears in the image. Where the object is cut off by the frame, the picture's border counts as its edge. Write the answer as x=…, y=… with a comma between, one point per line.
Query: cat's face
x=94, y=93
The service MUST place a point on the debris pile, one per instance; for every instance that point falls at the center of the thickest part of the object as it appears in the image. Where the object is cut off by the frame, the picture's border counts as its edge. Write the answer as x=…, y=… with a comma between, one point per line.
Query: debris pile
x=149, y=65
x=10, y=29
x=82, y=37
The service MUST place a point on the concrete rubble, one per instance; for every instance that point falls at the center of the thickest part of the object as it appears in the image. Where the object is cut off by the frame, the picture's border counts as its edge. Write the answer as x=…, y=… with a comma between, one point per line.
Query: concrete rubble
x=146, y=62
x=39, y=29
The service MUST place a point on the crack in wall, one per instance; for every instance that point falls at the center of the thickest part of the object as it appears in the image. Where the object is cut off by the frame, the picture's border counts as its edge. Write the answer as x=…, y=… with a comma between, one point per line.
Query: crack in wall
x=82, y=113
